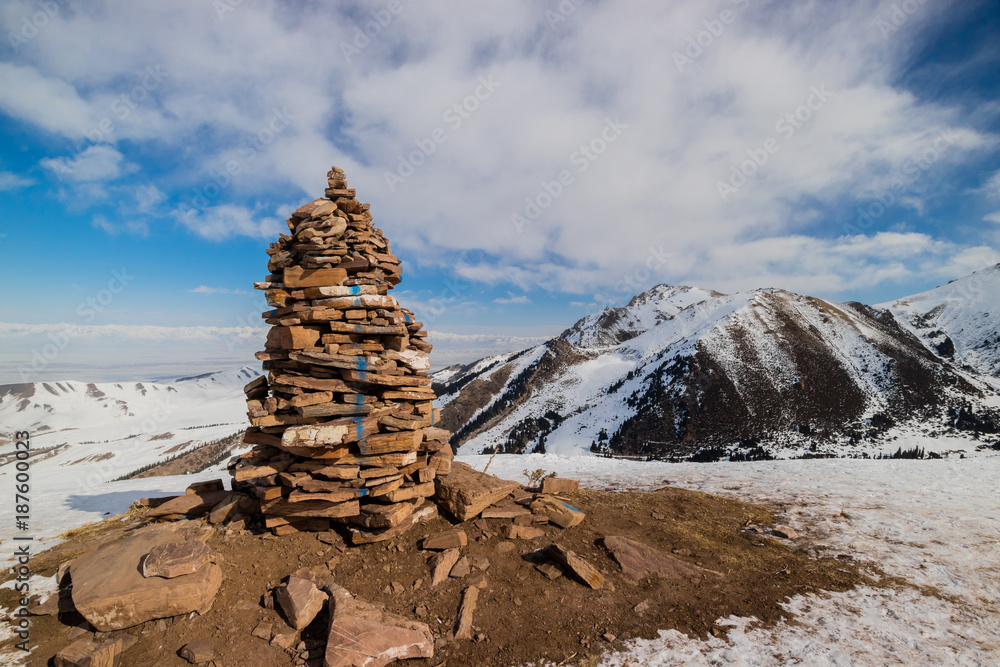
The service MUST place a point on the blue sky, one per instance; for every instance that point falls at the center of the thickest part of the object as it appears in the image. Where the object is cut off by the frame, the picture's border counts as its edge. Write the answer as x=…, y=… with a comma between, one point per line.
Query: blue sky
x=530, y=162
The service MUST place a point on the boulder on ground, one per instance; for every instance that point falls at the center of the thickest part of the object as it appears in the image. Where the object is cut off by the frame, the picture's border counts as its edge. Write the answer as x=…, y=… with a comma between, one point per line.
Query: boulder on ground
x=466, y=492
x=301, y=600
x=110, y=591
x=362, y=635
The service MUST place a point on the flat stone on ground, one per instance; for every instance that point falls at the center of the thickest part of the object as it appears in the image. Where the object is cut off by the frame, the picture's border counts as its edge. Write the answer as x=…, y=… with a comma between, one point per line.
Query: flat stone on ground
x=587, y=573
x=198, y=651
x=87, y=653
x=559, y=485
x=175, y=559
x=111, y=593
x=466, y=492
x=362, y=635
x=639, y=561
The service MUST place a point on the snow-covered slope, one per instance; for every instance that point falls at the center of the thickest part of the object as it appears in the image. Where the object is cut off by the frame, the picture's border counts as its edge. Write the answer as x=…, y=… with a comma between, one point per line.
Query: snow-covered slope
x=86, y=434
x=959, y=321
x=681, y=369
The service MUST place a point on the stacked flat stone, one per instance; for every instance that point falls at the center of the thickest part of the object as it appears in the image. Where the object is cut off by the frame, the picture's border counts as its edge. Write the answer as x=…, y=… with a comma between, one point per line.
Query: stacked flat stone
x=343, y=421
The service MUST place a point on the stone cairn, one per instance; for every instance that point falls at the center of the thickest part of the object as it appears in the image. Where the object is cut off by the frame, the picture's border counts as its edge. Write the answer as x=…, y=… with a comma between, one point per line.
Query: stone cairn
x=343, y=421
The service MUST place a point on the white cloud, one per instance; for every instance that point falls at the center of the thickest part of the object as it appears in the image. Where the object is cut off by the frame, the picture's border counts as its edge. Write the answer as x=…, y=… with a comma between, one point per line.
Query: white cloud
x=95, y=163
x=148, y=198
x=204, y=289
x=132, y=226
x=654, y=186
x=217, y=223
x=513, y=299
x=10, y=181
x=49, y=103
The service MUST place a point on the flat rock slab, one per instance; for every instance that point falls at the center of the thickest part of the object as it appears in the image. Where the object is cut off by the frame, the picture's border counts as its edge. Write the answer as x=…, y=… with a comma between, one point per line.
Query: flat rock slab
x=87, y=653
x=192, y=504
x=449, y=539
x=198, y=651
x=558, y=512
x=463, y=624
x=586, y=572
x=466, y=492
x=639, y=561
x=362, y=635
x=110, y=591
x=559, y=485
x=175, y=559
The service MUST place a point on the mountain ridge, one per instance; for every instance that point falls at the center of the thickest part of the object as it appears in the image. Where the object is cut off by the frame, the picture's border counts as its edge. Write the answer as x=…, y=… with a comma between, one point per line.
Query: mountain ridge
x=680, y=369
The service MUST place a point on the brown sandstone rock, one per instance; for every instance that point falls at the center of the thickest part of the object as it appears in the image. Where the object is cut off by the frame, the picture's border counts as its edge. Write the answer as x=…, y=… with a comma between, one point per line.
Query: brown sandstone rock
x=198, y=651
x=362, y=635
x=111, y=593
x=639, y=561
x=466, y=492
x=559, y=485
x=301, y=600
x=578, y=566
x=175, y=559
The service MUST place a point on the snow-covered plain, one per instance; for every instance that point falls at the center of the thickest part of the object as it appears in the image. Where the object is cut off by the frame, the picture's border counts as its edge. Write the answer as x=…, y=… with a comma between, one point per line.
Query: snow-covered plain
x=935, y=523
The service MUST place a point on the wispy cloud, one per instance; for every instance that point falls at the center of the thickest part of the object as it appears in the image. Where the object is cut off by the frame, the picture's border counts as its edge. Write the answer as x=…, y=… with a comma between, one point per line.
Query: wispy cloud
x=10, y=181
x=95, y=163
x=513, y=299
x=204, y=289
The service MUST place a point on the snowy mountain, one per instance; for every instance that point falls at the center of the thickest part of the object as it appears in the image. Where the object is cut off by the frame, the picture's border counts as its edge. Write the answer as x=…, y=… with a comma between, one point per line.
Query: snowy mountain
x=86, y=434
x=960, y=321
x=681, y=370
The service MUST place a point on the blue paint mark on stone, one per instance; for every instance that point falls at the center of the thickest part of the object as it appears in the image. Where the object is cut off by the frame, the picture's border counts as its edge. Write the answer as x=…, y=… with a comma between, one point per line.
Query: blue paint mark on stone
x=406, y=316
x=357, y=302
x=355, y=289
x=363, y=492
x=360, y=428
x=572, y=508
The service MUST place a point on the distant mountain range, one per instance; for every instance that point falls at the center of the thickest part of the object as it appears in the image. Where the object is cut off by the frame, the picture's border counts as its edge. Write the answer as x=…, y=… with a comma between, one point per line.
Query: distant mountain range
x=84, y=434
x=682, y=372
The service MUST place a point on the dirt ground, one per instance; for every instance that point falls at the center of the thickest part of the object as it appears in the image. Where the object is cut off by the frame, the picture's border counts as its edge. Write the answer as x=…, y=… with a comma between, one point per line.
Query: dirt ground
x=522, y=615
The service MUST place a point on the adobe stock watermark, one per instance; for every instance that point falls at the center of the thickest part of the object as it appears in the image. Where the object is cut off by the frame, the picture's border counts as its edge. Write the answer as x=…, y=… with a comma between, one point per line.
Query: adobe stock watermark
x=454, y=117
x=581, y=159
x=119, y=111
x=564, y=10
x=453, y=290
x=787, y=126
x=633, y=282
x=901, y=13
x=910, y=170
x=87, y=311
x=363, y=37
x=698, y=43
x=223, y=7
x=33, y=24
x=212, y=188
